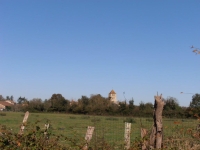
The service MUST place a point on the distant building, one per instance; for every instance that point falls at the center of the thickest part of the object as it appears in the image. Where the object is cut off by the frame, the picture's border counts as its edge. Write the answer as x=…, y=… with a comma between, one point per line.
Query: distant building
x=10, y=101
x=113, y=96
x=5, y=104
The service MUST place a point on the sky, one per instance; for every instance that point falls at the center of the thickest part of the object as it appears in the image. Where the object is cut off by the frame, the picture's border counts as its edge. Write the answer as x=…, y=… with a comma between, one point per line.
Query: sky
x=75, y=47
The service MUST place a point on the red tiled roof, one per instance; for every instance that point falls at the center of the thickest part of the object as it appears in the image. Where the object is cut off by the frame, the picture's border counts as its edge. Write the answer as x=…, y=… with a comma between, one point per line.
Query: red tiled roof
x=5, y=103
x=112, y=92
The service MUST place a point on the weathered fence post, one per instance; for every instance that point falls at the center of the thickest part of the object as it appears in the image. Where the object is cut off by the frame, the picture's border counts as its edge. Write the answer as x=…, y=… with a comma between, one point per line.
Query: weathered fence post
x=144, y=133
x=156, y=136
x=46, y=127
x=88, y=136
x=23, y=123
x=127, y=134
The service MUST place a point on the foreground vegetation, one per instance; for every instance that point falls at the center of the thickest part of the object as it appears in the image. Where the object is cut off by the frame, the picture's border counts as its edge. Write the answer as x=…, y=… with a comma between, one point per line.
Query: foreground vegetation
x=67, y=131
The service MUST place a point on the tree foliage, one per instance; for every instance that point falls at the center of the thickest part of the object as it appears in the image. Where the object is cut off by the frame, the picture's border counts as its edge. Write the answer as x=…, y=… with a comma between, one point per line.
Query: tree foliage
x=99, y=105
x=194, y=107
x=195, y=103
x=58, y=103
x=22, y=100
x=172, y=108
x=171, y=103
x=36, y=104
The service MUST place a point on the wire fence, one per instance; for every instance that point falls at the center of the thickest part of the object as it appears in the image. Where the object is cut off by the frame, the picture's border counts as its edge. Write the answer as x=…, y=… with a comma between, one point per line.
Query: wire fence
x=108, y=130
x=111, y=130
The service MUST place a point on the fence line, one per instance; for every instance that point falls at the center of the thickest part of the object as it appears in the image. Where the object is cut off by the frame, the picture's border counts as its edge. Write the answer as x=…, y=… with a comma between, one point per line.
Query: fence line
x=115, y=131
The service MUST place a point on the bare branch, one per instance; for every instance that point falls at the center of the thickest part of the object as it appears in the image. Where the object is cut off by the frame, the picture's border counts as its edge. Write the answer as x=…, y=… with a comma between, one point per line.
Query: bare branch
x=195, y=50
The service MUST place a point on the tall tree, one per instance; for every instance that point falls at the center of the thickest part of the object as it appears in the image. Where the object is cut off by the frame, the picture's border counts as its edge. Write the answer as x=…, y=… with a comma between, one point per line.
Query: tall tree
x=47, y=105
x=98, y=104
x=36, y=104
x=131, y=105
x=82, y=106
x=141, y=105
x=58, y=103
x=123, y=108
x=22, y=100
x=194, y=107
x=171, y=103
x=195, y=103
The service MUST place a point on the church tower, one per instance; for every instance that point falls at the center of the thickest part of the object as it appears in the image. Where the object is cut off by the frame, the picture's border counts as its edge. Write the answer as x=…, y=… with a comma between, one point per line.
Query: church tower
x=112, y=96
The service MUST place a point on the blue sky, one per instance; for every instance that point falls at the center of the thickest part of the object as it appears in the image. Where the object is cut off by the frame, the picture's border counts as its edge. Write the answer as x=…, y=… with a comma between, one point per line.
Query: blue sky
x=88, y=47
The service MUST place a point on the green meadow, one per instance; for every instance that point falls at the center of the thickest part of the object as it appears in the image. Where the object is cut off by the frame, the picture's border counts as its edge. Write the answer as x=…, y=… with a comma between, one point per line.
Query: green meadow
x=107, y=128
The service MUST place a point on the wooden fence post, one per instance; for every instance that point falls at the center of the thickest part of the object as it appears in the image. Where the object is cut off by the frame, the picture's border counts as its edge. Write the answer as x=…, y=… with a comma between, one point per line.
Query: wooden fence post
x=144, y=133
x=127, y=134
x=46, y=127
x=156, y=136
x=88, y=136
x=21, y=131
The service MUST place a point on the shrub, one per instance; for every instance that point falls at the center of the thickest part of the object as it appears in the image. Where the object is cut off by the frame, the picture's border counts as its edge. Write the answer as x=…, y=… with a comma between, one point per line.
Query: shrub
x=33, y=138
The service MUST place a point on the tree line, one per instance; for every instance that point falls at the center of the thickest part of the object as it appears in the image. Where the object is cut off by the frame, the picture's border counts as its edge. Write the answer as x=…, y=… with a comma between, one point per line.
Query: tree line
x=99, y=105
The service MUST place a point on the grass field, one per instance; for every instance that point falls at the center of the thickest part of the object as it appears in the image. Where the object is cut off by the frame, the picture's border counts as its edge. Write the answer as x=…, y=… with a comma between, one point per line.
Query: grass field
x=107, y=128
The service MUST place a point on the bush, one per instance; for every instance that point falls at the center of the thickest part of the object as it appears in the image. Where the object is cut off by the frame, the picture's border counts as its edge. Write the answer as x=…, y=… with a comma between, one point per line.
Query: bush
x=33, y=138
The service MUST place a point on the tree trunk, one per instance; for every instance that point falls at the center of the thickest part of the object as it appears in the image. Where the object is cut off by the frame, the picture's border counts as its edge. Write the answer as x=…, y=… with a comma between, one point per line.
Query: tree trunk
x=156, y=136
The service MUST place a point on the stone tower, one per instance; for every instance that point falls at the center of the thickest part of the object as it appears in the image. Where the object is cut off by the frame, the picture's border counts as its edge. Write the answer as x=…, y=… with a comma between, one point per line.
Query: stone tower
x=112, y=96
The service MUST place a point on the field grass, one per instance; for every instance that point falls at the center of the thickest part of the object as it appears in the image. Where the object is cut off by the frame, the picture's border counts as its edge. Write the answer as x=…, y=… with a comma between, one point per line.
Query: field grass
x=107, y=128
